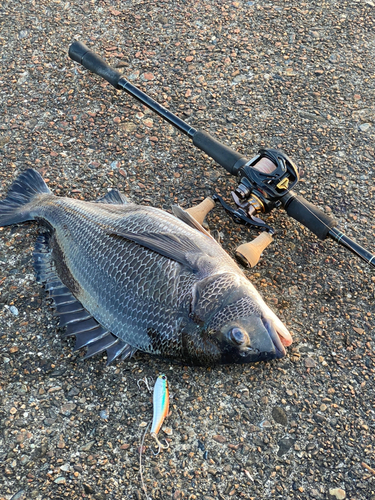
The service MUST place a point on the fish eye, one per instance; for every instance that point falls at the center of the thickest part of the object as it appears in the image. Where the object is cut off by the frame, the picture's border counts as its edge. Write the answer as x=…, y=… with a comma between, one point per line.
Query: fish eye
x=237, y=336
x=163, y=377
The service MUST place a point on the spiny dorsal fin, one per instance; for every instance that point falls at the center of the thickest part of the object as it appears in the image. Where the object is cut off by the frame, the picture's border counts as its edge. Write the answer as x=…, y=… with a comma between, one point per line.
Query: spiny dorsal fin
x=181, y=214
x=113, y=197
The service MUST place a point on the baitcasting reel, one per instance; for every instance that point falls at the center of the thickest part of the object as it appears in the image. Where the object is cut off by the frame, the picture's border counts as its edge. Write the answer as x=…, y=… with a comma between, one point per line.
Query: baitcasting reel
x=259, y=190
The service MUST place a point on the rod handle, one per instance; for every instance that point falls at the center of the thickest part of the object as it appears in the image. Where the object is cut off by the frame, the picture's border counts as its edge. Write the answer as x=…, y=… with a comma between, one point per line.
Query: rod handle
x=225, y=156
x=91, y=61
x=308, y=214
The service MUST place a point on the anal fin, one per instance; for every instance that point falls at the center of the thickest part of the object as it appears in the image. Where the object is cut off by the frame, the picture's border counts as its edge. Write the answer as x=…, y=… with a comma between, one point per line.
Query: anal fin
x=77, y=320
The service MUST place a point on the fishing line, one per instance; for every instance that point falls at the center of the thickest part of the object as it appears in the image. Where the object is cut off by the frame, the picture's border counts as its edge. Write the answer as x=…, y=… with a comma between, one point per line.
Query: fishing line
x=140, y=461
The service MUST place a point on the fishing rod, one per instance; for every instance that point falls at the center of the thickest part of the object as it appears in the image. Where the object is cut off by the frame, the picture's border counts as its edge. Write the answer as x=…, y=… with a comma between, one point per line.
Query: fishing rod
x=258, y=191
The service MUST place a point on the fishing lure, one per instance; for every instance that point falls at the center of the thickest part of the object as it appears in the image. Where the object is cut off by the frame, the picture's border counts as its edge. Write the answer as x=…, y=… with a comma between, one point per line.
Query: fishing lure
x=161, y=408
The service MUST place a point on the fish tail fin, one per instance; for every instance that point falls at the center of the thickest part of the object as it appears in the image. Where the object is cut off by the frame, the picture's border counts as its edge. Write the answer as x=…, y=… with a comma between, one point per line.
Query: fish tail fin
x=17, y=206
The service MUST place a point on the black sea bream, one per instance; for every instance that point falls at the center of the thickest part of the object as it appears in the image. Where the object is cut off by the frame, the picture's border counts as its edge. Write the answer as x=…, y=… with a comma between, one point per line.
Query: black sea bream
x=125, y=277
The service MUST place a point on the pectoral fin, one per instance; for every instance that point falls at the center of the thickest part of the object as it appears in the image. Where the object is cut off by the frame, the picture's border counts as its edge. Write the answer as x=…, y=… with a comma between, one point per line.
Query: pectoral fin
x=177, y=248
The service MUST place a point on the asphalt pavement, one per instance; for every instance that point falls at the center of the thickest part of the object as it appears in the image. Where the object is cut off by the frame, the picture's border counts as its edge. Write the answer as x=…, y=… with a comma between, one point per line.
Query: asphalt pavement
x=294, y=75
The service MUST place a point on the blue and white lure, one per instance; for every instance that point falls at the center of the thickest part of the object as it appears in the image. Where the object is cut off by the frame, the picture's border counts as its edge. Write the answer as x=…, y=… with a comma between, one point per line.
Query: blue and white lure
x=161, y=408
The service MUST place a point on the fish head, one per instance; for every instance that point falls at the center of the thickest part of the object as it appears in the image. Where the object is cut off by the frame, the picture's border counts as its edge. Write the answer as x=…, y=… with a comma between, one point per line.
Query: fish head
x=246, y=329
x=249, y=339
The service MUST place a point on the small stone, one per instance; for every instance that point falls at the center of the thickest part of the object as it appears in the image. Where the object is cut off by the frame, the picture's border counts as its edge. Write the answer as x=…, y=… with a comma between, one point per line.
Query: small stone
x=201, y=445
x=319, y=418
x=20, y=438
x=23, y=78
x=61, y=443
x=104, y=414
x=157, y=473
x=138, y=495
x=219, y=439
x=128, y=126
x=67, y=409
x=88, y=489
x=168, y=431
x=134, y=75
x=334, y=58
x=54, y=389
x=284, y=445
x=338, y=493
x=149, y=122
x=310, y=363
x=163, y=19
x=60, y=480
x=87, y=446
x=14, y=310
x=364, y=127
x=148, y=76
x=265, y=423
x=24, y=459
x=279, y=415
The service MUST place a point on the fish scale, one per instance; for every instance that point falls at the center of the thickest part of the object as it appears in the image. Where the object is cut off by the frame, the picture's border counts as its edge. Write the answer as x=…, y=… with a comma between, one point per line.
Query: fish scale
x=125, y=277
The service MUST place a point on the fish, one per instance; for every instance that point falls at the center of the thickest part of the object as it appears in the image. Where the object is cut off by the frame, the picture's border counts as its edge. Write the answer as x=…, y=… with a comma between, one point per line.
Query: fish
x=125, y=277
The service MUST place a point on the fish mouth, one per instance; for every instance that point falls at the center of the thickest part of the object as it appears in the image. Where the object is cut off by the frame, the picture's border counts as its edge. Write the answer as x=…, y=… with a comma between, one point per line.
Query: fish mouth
x=278, y=334
x=257, y=337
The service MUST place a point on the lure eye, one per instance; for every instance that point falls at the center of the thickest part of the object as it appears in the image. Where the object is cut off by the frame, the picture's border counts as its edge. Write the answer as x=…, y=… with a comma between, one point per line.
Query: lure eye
x=164, y=377
x=237, y=336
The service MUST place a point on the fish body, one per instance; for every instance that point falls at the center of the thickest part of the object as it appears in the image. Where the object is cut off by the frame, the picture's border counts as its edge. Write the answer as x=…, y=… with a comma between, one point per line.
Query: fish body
x=126, y=277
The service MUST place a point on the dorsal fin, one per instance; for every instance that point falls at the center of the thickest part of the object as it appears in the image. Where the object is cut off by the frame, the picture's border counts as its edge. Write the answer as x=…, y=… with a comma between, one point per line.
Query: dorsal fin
x=181, y=214
x=113, y=197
